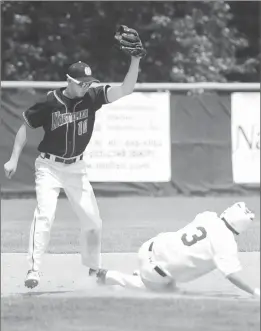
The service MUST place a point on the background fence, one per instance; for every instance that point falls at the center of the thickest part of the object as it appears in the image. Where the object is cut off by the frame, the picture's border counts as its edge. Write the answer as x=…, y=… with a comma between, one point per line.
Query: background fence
x=170, y=139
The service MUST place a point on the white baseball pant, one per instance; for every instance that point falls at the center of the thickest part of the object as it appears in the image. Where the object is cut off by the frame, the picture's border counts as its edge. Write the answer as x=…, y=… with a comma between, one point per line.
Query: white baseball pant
x=50, y=177
x=148, y=278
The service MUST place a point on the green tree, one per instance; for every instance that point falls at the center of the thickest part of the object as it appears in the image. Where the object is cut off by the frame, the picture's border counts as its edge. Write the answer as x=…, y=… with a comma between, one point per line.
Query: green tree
x=246, y=18
x=186, y=41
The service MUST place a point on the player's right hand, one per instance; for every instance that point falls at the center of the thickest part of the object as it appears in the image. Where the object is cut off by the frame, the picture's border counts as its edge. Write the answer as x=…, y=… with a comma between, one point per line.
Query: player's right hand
x=10, y=168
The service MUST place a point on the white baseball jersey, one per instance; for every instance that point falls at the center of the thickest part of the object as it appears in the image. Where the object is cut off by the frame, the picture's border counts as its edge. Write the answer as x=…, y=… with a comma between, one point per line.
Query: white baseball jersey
x=202, y=246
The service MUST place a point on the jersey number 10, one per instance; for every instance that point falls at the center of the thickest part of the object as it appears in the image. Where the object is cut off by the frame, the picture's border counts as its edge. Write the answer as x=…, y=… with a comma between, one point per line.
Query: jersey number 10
x=195, y=237
x=82, y=127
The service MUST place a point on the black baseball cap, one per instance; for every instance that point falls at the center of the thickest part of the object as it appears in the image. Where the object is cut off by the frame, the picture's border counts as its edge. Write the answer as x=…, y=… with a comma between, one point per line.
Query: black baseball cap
x=81, y=72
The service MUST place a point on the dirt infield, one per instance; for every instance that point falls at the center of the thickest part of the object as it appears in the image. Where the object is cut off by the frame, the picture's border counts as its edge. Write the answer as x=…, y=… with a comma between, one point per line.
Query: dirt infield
x=67, y=300
x=64, y=275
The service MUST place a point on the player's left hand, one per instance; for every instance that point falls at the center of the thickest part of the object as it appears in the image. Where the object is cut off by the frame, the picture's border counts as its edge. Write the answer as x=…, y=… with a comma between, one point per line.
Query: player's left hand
x=128, y=41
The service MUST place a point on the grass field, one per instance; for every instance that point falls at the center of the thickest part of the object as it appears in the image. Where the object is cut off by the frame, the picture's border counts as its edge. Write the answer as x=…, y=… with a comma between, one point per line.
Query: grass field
x=127, y=223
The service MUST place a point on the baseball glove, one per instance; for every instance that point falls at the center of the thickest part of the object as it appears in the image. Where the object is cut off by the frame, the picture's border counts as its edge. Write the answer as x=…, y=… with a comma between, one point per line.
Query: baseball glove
x=128, y=41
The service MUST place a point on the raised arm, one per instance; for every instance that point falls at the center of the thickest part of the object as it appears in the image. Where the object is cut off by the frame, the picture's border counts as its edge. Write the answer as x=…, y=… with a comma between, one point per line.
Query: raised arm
x=127, y=40
x=19, y=143
x=116, y=92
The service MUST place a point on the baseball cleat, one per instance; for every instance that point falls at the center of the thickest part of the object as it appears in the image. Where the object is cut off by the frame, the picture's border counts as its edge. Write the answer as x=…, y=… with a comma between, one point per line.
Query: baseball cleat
x=92, y=272
x=101, y=276
x=32, y=279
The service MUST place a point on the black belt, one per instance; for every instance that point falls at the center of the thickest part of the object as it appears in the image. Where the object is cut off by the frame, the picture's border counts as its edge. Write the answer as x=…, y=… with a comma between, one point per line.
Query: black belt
x=62, y=160
x=157, y=269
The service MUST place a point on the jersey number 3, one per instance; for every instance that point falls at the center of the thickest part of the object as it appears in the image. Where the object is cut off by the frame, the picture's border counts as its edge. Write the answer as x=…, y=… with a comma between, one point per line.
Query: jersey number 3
x=195, y=237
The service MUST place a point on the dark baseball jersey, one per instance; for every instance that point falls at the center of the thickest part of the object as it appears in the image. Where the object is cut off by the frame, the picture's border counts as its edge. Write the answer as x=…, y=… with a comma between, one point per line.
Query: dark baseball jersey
x=67, y=123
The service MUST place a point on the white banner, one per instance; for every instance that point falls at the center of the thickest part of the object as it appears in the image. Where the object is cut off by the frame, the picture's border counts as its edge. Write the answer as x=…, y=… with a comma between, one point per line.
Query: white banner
x=131, y=140
x=245, y=118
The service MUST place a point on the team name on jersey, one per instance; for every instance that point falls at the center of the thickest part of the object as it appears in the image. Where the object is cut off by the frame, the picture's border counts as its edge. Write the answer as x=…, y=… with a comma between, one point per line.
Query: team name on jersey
x=59, y=119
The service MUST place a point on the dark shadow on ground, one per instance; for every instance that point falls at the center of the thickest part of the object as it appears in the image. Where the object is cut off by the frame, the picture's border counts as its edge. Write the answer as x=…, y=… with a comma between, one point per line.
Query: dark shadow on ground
x=32, y=294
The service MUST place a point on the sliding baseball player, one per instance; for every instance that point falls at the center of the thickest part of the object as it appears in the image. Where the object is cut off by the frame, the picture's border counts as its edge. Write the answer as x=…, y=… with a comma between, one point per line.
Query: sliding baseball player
x=206, y=244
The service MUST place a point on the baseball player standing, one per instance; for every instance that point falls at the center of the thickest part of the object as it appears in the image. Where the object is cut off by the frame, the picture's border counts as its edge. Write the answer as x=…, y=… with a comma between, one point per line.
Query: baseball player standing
x=67, y=116
x=207, y=243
